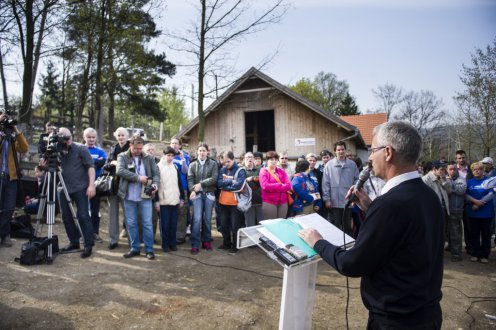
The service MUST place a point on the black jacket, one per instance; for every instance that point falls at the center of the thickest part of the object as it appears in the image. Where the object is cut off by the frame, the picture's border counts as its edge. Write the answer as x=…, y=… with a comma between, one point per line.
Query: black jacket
x=398, y=253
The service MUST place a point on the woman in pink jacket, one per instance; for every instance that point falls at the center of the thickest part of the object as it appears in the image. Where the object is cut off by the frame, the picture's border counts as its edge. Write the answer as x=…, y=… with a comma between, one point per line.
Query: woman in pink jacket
x=275, y=186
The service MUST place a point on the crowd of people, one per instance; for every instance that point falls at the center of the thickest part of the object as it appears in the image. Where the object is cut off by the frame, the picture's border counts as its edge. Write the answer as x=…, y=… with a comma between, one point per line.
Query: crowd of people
x=177, y=193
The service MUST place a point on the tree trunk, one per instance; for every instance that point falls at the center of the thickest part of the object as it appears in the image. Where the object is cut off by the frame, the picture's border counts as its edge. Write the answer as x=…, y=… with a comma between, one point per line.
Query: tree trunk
x=4, y=85
x=98, y=76
x=201, y=75
x=111, y=80
x=27, y=77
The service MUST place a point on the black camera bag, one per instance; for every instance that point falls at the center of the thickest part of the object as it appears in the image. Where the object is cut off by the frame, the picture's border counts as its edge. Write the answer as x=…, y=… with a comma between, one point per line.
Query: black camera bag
x=35, y=251
x=21, y=227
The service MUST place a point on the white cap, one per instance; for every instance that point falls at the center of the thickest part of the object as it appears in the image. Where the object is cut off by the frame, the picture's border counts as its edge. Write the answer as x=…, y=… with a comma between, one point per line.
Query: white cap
x=487, y=160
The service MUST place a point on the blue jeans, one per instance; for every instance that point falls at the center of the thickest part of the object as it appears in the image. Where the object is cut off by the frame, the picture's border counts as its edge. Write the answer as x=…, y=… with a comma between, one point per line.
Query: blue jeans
x=168, y=225
x=83, y=217
x=131, y=211
x=7, y=205
x=202, y=219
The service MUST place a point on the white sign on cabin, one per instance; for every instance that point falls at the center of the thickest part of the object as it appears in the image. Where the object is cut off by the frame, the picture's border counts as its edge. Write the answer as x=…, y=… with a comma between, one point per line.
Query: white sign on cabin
x=304, y=142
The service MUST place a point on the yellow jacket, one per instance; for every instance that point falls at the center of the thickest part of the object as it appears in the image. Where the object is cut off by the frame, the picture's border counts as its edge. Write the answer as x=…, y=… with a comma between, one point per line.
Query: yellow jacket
x=21, y=146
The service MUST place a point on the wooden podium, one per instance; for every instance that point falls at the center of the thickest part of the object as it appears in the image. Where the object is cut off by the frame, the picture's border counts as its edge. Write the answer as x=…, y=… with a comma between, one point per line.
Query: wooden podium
x=298, y=287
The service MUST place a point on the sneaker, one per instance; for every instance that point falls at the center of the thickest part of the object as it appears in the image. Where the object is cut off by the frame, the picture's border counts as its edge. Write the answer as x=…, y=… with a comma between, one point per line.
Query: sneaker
x=123, y=234
x=207, y=246
x=113, y=246
x=484, y=260
x=474, y=259
x=6, y=241
x=97, y=238
x=131, y=254
x=188, y=230
x=224, y=247
x=150, y=255
x=233, y=250
x=195, y=251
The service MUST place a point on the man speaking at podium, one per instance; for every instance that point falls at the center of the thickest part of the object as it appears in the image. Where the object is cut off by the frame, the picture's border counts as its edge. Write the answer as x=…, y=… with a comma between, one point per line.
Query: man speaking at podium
x=399, y=251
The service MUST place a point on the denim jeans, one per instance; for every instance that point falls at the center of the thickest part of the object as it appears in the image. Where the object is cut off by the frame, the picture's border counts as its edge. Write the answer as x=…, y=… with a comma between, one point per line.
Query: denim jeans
x=7, y=204
x=83, y=217
x=131, y=210
x=95, y=213
x=168, y=225
x=202, y=219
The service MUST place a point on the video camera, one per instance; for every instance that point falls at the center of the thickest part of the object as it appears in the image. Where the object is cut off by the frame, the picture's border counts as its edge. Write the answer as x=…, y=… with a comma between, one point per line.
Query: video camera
x=56, y=143
x=8, y=122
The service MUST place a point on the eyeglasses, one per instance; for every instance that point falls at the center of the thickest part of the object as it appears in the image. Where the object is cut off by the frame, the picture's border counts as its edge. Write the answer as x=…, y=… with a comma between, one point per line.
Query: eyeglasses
x=372, y=150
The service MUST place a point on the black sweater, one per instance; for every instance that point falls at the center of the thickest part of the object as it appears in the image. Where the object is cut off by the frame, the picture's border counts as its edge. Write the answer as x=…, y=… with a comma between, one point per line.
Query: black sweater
x=398, y=253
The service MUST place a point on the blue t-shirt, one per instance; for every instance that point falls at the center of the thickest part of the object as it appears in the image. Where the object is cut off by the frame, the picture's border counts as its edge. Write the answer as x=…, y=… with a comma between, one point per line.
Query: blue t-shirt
x=475, y=189
x=99, y=157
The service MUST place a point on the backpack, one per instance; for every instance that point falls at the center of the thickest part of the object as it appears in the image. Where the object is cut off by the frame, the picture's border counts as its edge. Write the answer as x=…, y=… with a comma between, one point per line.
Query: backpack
x=243, y=196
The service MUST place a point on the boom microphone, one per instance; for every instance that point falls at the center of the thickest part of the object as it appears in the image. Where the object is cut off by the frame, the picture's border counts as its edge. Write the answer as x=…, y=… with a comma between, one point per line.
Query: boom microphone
x=364, y=176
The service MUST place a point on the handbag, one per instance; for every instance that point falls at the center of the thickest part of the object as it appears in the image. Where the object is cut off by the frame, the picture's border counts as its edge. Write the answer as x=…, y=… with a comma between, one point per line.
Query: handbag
x=104, y=185
x=227, y=198
x=290, y=192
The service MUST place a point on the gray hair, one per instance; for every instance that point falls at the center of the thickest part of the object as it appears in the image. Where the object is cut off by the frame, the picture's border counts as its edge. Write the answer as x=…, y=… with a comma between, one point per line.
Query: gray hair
x=403, y=138
x=90, y=130
x=121, y=130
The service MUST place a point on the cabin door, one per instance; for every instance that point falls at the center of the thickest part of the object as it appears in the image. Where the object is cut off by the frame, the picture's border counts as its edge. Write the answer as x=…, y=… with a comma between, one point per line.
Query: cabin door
x=259, y=128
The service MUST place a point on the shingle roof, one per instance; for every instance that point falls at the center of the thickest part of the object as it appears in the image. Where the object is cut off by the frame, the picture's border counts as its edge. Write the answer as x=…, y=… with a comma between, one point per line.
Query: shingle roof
x=366, y=123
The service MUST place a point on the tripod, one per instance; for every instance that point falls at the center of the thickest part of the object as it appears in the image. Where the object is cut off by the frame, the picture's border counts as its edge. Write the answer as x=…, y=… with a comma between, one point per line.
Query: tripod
x=48, y=198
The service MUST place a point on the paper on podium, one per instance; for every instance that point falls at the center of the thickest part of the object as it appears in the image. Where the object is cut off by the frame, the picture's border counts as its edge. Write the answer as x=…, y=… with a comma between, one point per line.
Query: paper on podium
x=285, y=231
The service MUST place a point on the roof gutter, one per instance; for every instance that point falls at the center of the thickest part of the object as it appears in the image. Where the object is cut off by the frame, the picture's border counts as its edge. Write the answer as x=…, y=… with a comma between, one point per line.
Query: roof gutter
x=357, y=132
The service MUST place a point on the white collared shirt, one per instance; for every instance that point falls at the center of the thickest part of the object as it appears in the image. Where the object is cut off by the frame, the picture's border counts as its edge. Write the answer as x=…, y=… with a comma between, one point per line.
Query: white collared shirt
x=399, y=179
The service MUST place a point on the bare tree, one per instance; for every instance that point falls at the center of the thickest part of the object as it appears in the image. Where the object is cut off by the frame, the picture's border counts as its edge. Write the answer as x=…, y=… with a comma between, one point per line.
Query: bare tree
x=221, y=24
x=34, y=20
x=389, y=97
x=422, y=110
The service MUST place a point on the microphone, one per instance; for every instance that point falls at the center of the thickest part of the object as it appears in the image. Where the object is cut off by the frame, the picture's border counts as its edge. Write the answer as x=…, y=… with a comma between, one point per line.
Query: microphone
x=364, y=176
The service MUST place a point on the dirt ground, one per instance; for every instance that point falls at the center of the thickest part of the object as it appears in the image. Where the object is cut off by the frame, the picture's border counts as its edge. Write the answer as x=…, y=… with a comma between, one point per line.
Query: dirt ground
x=212, y=290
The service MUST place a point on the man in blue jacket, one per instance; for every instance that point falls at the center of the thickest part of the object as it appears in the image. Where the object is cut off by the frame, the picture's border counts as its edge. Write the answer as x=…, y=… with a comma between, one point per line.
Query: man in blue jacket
x=399, y=250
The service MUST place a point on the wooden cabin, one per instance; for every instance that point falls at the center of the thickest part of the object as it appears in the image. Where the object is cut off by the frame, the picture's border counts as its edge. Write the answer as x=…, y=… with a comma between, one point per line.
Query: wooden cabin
x=259, y=114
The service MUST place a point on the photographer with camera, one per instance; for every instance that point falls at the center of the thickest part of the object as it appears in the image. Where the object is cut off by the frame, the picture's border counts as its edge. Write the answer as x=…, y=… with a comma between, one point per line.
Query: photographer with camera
x=78, y=172
x=11, y=141
x=136, y=169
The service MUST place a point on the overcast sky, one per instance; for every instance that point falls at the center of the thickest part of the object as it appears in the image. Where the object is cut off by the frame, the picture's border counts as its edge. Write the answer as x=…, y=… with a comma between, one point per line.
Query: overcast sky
x=414, y=44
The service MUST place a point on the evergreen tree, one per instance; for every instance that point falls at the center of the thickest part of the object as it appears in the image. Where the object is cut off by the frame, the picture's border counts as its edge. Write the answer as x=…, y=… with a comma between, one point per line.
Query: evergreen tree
x=348, y=106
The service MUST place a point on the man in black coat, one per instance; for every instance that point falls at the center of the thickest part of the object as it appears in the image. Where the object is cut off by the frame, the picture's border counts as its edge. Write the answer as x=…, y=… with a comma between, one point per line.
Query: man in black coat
x=399, y=250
